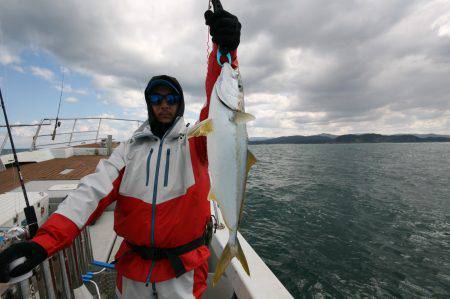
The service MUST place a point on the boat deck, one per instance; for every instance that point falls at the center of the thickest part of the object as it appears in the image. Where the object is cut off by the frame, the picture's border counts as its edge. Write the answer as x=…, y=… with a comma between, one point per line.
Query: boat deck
x=50, y=170
x=96, y=145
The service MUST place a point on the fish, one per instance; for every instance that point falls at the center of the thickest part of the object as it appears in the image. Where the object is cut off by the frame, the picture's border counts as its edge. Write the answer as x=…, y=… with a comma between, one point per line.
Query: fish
x=228, y=158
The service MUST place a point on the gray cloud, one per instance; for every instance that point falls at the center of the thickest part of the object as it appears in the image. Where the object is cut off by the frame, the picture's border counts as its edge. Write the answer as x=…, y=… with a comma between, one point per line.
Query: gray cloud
x=308, y=66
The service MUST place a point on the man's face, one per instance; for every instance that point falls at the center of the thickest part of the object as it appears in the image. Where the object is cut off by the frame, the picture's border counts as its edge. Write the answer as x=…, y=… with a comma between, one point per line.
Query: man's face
x=164, y=112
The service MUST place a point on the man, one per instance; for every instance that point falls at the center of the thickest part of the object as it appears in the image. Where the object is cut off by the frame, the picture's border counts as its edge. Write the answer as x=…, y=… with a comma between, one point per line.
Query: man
x=159, y=181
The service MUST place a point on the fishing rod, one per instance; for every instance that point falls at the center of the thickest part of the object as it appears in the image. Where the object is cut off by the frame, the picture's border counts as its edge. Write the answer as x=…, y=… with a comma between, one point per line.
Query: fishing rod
x=59, y=107
x=30, y=213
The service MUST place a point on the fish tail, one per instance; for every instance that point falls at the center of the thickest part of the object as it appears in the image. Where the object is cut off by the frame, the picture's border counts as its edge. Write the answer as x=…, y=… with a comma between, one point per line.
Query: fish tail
x=241, y=257
x=225, y=260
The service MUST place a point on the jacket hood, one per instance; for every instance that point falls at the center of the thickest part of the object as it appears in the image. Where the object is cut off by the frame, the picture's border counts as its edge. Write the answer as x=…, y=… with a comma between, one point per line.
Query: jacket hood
x=168, y=81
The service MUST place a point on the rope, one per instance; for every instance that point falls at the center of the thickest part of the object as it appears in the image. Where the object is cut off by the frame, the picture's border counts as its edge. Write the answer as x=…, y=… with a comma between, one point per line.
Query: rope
x=98, y=272
x=96, y=288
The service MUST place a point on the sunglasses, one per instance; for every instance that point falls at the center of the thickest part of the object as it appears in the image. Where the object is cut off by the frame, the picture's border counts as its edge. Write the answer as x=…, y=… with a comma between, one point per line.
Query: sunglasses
x=172, y=99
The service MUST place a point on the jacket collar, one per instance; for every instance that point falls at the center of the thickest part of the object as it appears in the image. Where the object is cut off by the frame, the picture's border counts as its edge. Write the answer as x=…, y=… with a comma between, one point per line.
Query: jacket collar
x=144, y=130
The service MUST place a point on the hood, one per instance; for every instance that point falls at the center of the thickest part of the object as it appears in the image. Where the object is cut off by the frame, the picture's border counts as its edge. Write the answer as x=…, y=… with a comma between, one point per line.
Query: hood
x=168, y=81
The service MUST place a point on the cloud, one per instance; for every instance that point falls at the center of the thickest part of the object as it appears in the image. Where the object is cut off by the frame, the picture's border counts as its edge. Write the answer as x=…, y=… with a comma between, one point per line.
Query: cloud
x=67, y=88
x=308, y=66
x=43, y=73
x=49, y=75
x=71, y=100
x=6, y=57
x=18, y=68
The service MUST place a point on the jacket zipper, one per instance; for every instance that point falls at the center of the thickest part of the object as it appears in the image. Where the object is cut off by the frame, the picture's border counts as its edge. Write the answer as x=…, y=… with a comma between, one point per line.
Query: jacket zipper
x=155, y=192
x=166, y=173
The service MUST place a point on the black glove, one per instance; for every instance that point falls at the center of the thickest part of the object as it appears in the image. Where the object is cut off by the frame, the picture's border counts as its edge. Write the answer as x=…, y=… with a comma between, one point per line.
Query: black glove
x=32, y=251
x=224, y=28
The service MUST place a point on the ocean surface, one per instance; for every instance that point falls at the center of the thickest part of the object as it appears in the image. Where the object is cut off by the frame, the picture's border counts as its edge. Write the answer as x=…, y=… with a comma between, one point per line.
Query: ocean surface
x=353, y=220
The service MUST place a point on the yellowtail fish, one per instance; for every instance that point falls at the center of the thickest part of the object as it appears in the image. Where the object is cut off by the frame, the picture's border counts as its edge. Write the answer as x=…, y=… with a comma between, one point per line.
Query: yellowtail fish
x=228, y=158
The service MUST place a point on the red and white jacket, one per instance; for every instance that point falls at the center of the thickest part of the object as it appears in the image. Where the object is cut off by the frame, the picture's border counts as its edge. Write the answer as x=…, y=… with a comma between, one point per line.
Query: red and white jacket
x=156, y=183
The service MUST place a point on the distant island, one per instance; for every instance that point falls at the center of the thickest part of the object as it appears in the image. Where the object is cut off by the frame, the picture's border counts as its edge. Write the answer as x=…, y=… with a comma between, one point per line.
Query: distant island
x=351, y=138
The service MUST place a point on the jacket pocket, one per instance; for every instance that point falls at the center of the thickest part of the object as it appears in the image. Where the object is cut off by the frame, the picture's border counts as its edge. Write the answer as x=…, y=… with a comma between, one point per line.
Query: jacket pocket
x=166, y=173
x=149, y=159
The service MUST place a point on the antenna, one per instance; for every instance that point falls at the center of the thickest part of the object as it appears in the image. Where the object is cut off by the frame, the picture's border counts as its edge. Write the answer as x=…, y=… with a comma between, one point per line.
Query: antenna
x=30, y=214
x=59, y=107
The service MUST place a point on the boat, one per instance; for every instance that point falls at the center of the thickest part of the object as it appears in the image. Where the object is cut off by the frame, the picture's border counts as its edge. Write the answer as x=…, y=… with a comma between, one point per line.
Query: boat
x=52, y=168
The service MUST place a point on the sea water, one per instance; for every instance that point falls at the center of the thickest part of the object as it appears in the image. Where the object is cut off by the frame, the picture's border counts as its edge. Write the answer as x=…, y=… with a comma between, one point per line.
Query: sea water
x=352, y=220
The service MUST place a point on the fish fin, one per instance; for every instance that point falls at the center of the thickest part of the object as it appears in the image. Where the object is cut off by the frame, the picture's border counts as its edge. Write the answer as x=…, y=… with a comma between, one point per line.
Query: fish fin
x=203, y=128
x=212, y=197
x=241, y=257
x=250, y=160
x=242, y=117
x=223, y=263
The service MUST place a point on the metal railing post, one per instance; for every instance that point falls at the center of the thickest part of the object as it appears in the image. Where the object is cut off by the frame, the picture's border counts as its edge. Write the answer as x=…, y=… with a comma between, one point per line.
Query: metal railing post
x=48, y=279
x=65, y=277
x=98, y=129
x=36, y=135
x=109, y=145
x=73, y=129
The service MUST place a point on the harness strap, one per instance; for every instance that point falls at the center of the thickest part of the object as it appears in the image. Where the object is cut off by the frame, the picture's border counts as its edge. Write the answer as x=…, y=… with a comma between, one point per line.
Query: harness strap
x=172, y=254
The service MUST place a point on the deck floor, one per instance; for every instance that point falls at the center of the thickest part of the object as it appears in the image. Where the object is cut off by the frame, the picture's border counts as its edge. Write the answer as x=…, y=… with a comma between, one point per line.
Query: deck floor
x=49, y=170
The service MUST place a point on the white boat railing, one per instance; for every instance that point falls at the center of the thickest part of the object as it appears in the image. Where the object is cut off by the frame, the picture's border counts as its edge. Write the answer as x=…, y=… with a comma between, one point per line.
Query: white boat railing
x=5, y=138
x=71, y=135
x=74, y=132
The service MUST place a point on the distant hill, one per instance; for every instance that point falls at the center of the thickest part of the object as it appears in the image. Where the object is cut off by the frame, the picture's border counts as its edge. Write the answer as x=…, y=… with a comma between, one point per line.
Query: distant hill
x=258, y=138
x=352, y=138
x=296, y=139
x=431, y=135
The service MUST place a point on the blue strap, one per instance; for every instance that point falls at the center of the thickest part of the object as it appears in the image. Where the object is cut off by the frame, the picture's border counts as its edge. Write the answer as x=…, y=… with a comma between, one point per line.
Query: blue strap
x=219, y=55
x=102, y=264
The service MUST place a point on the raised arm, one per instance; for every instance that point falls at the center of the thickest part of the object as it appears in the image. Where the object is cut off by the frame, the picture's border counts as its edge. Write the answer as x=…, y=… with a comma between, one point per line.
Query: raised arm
x=212, y=75
x=225, y=30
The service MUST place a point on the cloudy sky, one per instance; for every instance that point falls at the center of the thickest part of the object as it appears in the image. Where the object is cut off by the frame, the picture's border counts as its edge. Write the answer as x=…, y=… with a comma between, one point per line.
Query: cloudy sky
x=308, y=66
